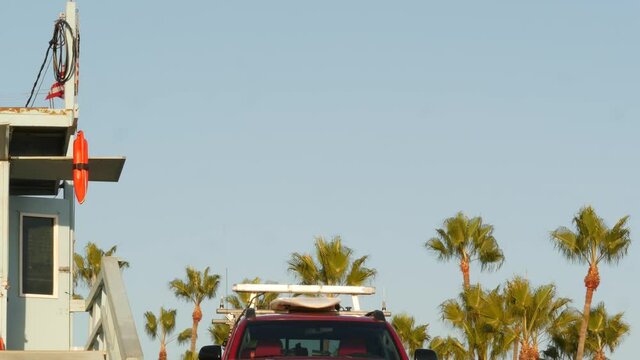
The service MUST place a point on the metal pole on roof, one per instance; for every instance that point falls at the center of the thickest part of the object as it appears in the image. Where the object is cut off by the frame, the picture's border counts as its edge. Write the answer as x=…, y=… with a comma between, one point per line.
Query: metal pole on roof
x=69, y=86
x=4, y=244
x=356, y=302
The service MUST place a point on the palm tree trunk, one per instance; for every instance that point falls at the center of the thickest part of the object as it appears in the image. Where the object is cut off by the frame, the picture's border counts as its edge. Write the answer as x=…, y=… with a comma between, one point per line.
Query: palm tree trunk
x=585, y=323
x=464, y=267
x=163, y=348
x=534, y=354
x=528, y=352
x=196, y=316
x=591, y=282
x=515, y=350
x=524, y=350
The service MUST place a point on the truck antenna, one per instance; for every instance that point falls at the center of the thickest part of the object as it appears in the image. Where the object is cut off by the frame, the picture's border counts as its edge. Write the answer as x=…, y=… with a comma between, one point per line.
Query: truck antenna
x=384, y=299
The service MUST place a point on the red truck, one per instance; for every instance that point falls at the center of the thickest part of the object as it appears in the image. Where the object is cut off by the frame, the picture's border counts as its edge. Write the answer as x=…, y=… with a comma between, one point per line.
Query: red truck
x=310, y=327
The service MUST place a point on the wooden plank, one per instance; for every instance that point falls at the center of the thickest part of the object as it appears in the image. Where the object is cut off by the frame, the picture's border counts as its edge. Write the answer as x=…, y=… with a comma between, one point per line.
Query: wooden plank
x=53, y=355
x=61, y=168
x=5, y=137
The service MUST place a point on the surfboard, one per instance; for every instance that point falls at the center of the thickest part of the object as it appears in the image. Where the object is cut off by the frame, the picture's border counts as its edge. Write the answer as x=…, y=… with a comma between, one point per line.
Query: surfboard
x=304, y=303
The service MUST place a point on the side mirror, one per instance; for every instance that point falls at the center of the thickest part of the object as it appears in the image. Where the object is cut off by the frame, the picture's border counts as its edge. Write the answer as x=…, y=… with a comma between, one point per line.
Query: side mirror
x=425, y=354
x=210, y=352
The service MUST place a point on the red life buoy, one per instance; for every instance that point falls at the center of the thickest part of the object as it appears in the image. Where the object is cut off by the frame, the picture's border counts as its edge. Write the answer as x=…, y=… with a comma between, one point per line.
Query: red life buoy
x=80, y=166
x=1, y=343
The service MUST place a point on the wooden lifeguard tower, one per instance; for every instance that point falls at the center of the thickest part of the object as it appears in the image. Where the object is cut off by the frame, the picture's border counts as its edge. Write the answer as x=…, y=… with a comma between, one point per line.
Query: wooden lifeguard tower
x=37, y=236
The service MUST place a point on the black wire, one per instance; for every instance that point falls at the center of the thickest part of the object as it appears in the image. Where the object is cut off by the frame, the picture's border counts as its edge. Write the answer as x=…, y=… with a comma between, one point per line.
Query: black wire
x=254, y=298
x=244, y=311
x=46, y=55
x=41, y=82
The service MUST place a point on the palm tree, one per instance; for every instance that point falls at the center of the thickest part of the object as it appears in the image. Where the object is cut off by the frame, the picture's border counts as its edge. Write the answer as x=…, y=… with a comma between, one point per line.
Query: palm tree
x=592, y=243
x=449, y=348
x=537, y=312
x=466, y=240
x=465, y=315
x=86, y=268
x=334, y=265
x=413, y=336
x=166, y=324
x=195, y=288
x=605, y=332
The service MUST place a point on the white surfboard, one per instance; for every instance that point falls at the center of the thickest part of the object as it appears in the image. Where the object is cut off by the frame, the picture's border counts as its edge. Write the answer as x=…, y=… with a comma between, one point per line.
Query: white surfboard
x=304, y=302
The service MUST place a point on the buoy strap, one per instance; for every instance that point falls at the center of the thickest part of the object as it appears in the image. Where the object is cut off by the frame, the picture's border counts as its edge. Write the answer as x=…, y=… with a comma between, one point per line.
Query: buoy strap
x=80, y=166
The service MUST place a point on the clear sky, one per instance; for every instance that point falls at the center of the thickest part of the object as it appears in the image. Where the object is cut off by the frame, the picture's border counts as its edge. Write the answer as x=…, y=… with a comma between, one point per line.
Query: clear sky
x=252, y=126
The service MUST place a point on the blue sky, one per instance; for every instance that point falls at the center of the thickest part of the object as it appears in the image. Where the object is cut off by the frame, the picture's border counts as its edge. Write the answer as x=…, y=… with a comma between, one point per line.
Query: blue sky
x=252, y=126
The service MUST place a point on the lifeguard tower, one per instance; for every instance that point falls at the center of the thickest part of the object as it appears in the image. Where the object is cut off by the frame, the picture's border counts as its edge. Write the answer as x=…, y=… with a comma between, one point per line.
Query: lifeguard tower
x=37, y=234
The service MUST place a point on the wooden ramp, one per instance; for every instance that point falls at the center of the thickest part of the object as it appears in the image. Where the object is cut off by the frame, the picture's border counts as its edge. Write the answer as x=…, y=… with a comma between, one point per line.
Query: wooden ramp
x=52, y=355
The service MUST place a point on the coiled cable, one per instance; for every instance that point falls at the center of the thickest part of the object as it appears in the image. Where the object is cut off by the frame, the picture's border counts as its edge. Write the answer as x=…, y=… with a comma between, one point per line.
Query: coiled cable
x=64, y=56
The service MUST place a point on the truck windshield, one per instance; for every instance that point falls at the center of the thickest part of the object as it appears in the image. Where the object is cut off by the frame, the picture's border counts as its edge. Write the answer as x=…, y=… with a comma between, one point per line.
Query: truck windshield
x=348, y=339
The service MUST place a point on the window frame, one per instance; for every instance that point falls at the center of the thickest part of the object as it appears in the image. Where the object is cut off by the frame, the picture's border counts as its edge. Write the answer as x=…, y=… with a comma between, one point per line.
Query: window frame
x=251, y=331
x=55, y=272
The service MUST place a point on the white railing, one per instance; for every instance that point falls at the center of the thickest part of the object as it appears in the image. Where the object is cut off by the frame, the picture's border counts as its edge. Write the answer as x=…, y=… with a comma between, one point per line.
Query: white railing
x=112, y=328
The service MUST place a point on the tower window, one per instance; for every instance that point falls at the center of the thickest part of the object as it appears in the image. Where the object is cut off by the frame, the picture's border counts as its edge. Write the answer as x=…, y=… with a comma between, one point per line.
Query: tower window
x=38, y=255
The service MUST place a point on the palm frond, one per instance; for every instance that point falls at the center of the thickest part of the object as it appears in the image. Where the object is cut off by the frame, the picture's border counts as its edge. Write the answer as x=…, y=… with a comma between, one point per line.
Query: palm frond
x=331, y=266
x=449, y=348
x=184, y=336
x=151, y=325
x=412, y=336
x=608, y=331
x=219, y=333
x=616, y=242
x=466, y=240
x=489, y=254
x=453, y=313
x=181, y=289
x=303, y=267
x=566, y=241
x=358, y=273
x=439, y=247
x=593, y=241
x=197, y=287
x=167, y=320
x=87, y=266
x=333, y=259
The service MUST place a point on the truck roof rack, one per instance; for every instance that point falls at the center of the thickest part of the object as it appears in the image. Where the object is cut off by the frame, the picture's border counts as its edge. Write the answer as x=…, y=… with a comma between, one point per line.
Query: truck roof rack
x=256, y=290
x=330, y=290
x=233, y=315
